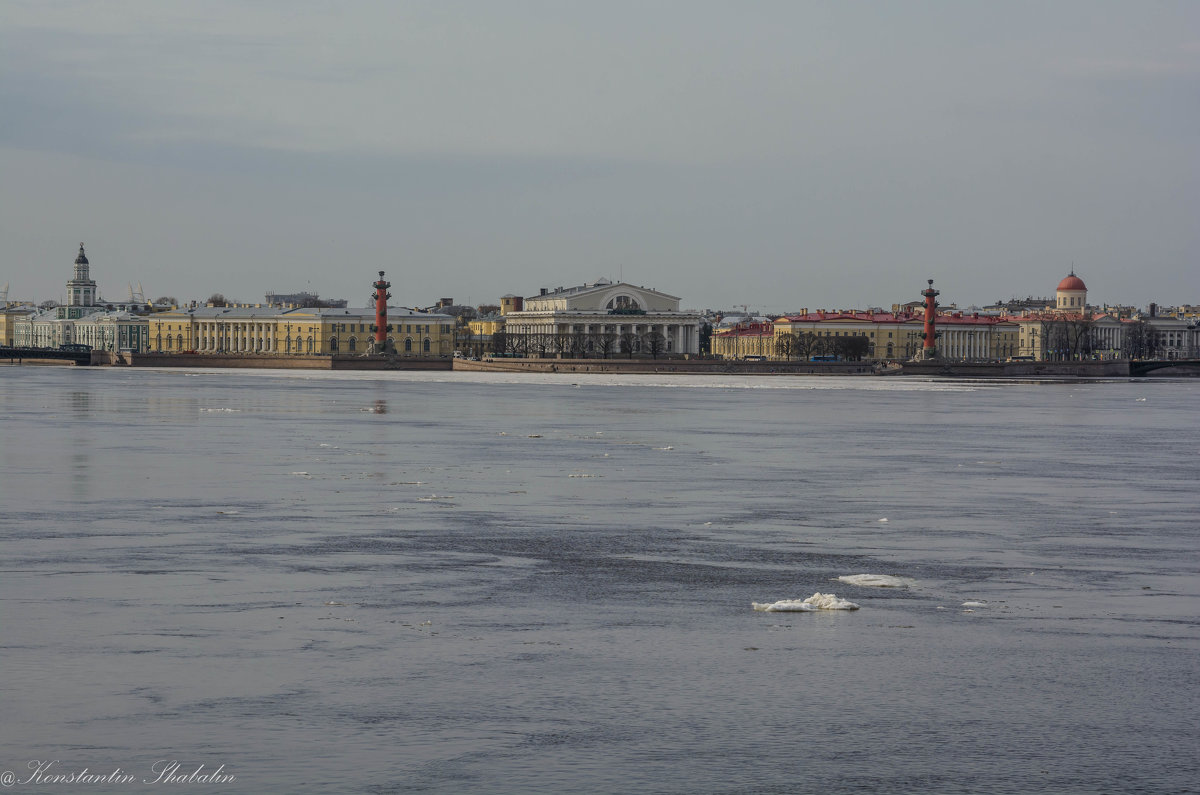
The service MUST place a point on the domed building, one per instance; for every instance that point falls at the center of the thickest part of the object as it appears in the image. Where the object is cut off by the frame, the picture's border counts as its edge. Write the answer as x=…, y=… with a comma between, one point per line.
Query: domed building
x=1071, y=294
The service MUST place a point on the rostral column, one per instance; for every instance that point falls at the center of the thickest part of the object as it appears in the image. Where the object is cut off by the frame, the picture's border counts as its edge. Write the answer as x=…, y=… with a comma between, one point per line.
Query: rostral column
x=929, y=351
x=381, y=296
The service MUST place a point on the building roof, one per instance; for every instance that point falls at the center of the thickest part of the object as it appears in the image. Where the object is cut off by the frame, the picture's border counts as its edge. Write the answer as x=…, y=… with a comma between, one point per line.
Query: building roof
x=1072, y=282
x=747, y=330
x=853, y=316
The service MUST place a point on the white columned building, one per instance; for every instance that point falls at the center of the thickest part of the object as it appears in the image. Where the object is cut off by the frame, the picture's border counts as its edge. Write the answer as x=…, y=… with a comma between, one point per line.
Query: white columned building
x=573, y=320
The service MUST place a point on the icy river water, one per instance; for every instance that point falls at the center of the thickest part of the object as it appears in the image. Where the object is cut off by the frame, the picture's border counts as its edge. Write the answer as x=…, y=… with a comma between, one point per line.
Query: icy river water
x=307, y=582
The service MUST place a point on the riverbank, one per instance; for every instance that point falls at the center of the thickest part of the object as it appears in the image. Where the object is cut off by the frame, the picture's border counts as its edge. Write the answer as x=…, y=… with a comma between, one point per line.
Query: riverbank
x=681, y=366
x=1112, y=368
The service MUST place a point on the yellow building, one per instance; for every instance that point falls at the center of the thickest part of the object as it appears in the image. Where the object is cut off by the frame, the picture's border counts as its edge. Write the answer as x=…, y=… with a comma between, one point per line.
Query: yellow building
x=897, y=335
x=8, y=321
x=745, y=340
x=292, y=331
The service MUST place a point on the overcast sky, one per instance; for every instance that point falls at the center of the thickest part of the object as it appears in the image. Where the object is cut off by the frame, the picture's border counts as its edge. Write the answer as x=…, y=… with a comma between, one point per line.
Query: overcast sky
x=775, y=154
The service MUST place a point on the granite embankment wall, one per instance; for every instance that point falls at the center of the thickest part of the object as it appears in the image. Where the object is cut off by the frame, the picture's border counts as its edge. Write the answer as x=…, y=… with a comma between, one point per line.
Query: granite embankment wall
x=280, y=362
x=662, y=366
x=1113, y=368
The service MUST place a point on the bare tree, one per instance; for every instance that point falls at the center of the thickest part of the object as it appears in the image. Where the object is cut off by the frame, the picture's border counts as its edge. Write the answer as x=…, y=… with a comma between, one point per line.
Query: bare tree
x=578, y=344
x=605, y=342
x=850, y=348
x=1067, y=338
x=561, y=342
x=787, y=345
x=806, y=343
x=629, y=341
x=654, y=343
x=216, y=299
x=1140, y=340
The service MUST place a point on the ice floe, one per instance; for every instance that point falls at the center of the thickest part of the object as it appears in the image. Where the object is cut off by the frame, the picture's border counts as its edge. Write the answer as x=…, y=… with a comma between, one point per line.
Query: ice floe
x=818, y=601
x=974, y=604
x=877, y=580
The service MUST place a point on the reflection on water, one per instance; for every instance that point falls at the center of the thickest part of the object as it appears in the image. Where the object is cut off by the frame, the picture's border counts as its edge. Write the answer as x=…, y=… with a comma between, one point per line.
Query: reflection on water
x=402, y=582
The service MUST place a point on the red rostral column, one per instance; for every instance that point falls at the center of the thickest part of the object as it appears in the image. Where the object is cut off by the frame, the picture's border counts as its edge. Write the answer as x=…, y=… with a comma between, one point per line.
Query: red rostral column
x=381, y=296
x=930, y=335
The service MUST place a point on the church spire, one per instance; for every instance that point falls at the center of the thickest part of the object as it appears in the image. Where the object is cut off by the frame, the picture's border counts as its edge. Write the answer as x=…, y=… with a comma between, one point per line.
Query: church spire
x=81, y=290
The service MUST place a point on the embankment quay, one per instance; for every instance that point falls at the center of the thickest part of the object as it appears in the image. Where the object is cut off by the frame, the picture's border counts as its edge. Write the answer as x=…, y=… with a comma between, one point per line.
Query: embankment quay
x=1112, y=368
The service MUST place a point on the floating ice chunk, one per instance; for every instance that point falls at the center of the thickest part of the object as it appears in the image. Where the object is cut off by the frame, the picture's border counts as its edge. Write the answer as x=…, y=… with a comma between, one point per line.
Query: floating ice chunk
x=974, y=604
x=668, y=447
x=221, y=411
x=435, y=498
x=818, y=601
x=829, y=601
x=1140, y=400
x=784, y=606
x=535, y=436
x=877, y=580
x=884, y=519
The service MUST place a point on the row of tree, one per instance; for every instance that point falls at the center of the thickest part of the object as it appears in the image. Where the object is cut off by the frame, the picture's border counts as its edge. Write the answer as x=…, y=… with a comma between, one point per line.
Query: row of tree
x=1073, y=339
x=808, y=344
x=576, y=345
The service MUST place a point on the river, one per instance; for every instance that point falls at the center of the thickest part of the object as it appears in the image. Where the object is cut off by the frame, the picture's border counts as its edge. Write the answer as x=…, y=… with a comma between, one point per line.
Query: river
x=449, y=582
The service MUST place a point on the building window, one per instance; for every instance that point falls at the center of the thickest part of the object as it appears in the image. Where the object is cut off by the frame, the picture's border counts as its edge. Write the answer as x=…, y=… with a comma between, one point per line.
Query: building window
x=408, y=345
x=425, y=345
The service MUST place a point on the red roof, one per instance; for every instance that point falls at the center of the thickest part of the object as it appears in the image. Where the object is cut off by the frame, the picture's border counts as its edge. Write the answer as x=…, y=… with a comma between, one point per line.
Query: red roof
x=955, y=318
x=1072, y=282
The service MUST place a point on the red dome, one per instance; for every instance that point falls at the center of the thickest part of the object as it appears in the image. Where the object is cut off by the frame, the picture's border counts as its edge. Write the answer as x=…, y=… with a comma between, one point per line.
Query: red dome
x=1072, y=282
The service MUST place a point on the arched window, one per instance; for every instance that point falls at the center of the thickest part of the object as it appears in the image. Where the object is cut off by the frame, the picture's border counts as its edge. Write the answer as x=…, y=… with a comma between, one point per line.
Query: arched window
x=168, y=342
x=333, y=345
x=425, y=345
x=623, y=302
x=179, y=341
x=408, y=344
x=310, y=344
x=353, y=345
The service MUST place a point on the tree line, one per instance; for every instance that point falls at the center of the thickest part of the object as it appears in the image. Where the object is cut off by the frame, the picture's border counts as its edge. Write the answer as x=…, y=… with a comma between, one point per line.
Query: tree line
x=574, y=344
x=808, y=344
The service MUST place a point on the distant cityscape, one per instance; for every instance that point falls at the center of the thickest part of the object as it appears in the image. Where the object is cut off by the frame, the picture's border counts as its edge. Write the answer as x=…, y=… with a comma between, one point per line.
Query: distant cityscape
x=600, y=319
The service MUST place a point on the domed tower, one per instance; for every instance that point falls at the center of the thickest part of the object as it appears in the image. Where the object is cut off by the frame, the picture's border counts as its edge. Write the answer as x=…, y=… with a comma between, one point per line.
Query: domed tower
x=1071, y=294
x=81, y=290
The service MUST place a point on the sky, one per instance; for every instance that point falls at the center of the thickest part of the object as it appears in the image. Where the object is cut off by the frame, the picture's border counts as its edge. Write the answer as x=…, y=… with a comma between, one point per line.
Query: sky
x=777, y=155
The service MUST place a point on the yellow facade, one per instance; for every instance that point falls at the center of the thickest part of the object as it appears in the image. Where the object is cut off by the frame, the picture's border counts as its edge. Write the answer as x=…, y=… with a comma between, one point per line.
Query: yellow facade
x=888, y=336
x=8, y=321
x=272, y=330
x=754, y=340
x=899, y=335
x=486, y=327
